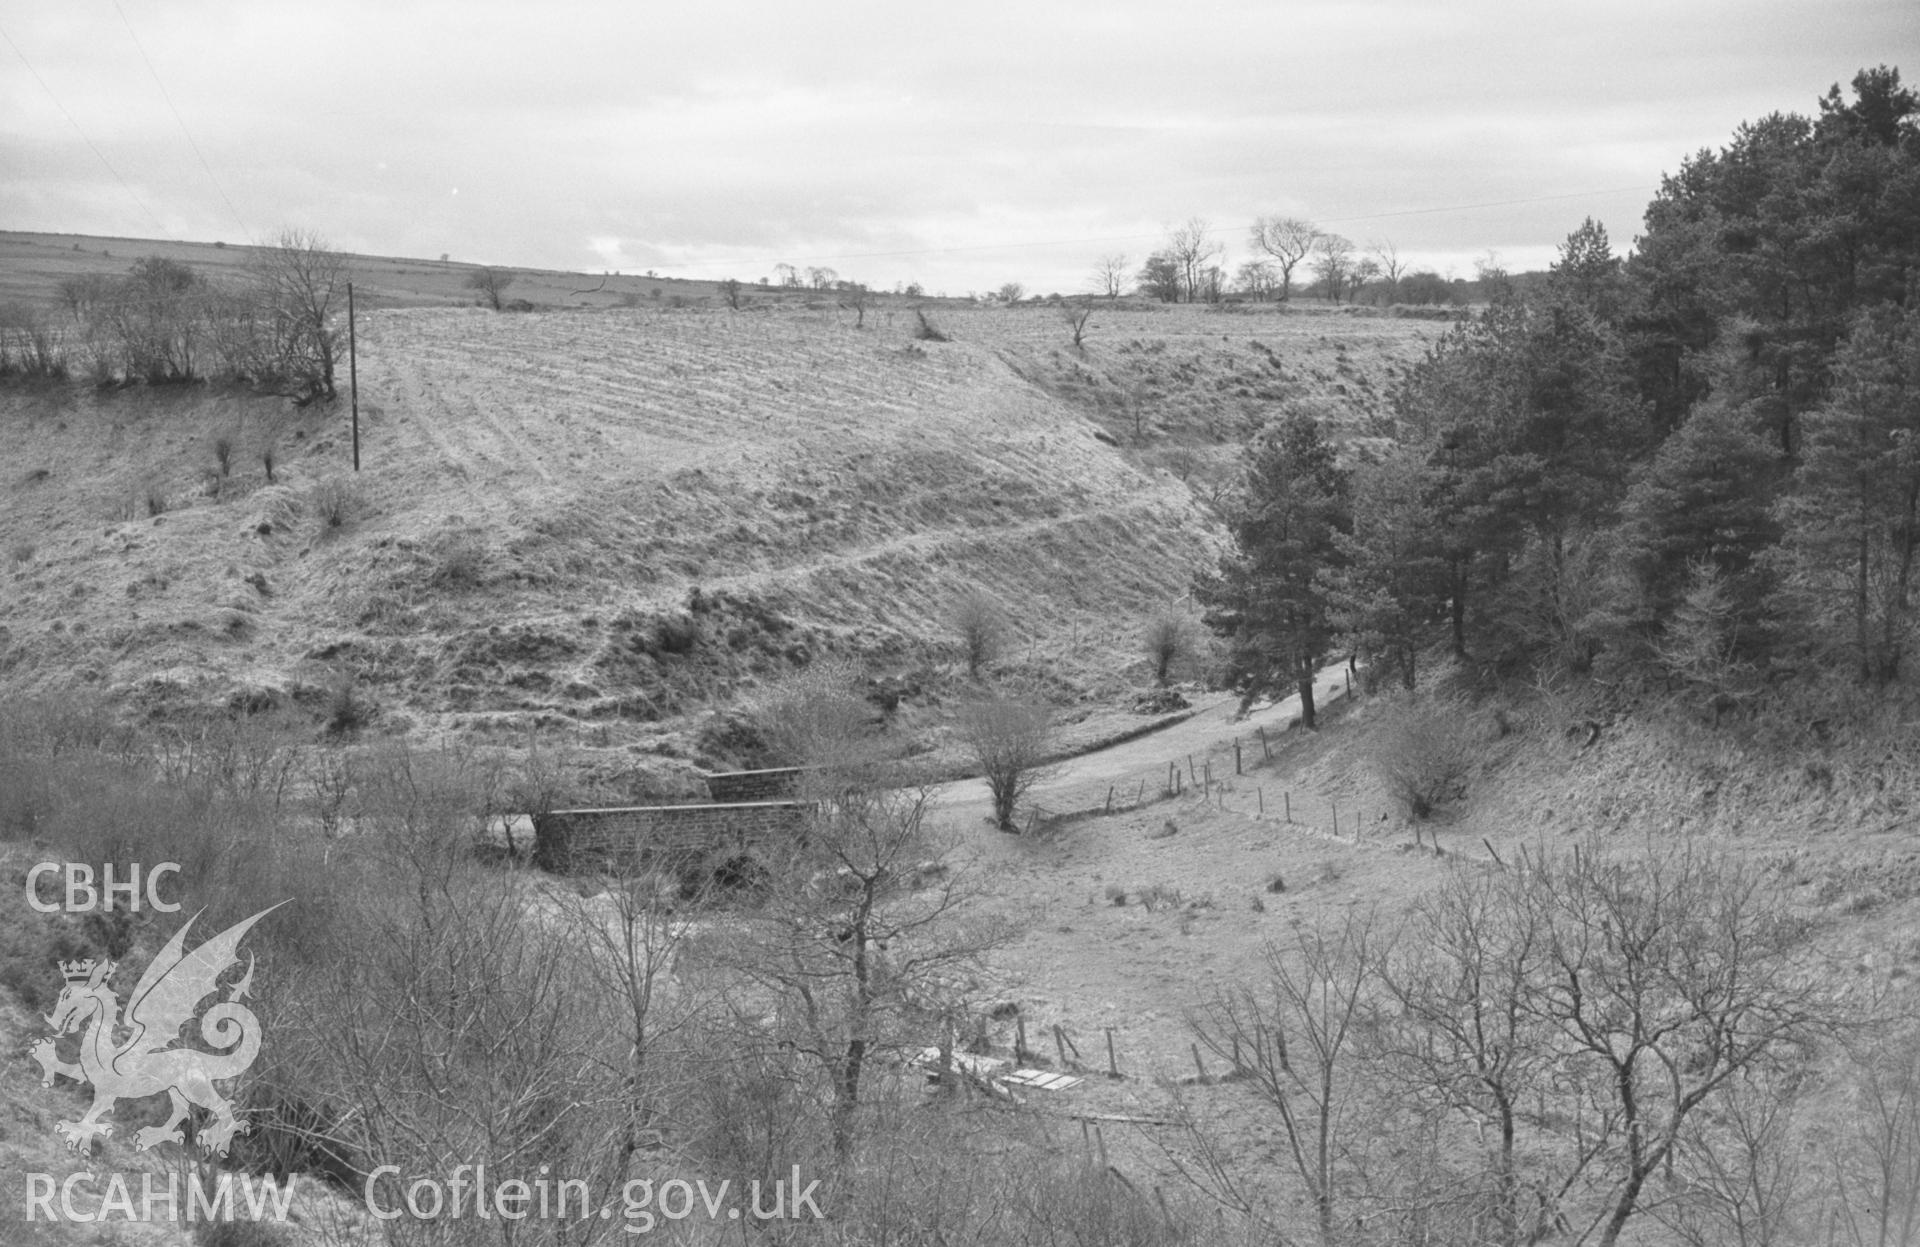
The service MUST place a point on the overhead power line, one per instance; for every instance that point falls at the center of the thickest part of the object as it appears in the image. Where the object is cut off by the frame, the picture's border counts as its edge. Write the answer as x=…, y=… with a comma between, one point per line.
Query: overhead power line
x=182, y=122
x=98, y=154
x=757, y=261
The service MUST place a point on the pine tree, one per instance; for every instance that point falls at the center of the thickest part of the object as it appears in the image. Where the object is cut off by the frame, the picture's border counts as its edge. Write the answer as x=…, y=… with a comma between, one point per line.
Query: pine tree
x=1270, y=596
x=1852, y=522
x=1389, y=589
x=1587, y=271
x=1706, y=497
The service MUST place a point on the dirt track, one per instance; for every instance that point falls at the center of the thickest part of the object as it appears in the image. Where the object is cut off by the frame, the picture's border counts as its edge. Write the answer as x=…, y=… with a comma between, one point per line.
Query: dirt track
x=1139, y=766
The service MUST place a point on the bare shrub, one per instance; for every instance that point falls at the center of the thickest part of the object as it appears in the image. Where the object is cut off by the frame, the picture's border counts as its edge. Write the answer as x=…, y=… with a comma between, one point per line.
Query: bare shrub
x=30, y=345
x=1424, y=751
x=336, y=501
x=1160, y=896
x=347, y=708
x=856, y=298
x=223, y=453
x=926, y=330
x=1872, y=1176
x=444, y=1025
x=981, y=627
x=861, y=964
x=1076, y=314
x=1167, y=639
x=149, y=498
x=1297, y=1044
x=1010, y=739
x=815, y=717
x=490, y=283
x=300, y=283
x=460, y=560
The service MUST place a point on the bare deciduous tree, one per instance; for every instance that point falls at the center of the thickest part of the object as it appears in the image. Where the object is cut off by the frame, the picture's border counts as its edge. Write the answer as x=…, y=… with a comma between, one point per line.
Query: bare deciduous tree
x=1190, y=247
x=1462, y=1035
x=1332, y=260
x=1296, y=1044
x=1010, y=739
x=1361, y=272
x=855, y=298
x=1288, y=240
x=302, y=283
x=1167, y=639
x=1110, y=275
x=1160, y=277
x=1664, y=978
x=1076, y=315
x=1874, y=1172
x=981, y=626
x=1392, y=267
x=864, y=943
x=490, y=282
x=1739, y=1179
x=1258, y=278
x=629, y=938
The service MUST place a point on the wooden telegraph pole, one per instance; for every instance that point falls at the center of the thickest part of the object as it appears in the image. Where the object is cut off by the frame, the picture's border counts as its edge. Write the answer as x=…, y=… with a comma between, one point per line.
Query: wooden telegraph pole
x=353, y=377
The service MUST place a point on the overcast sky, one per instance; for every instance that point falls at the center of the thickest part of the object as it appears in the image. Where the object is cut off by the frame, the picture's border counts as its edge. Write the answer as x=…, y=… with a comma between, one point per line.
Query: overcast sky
x=961, y=144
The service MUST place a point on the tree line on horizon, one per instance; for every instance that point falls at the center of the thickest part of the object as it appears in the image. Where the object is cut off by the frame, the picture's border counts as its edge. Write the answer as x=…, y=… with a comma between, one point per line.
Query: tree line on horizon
x=1291, y=255
x=1700, y=463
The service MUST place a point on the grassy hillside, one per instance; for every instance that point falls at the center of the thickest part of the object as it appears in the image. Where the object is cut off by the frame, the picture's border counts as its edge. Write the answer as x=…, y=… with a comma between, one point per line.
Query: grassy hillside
x=615, y=520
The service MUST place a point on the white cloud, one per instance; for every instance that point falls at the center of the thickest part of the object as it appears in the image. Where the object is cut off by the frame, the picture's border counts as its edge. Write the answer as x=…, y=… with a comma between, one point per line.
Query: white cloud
x=599, y=135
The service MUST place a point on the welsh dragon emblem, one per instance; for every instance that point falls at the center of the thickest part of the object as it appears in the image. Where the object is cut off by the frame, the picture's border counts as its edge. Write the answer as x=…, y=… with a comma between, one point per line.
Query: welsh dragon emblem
x=143, y=1064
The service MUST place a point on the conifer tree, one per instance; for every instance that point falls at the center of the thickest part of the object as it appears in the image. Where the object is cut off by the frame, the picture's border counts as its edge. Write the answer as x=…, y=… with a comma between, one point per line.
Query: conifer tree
x=1270, y=597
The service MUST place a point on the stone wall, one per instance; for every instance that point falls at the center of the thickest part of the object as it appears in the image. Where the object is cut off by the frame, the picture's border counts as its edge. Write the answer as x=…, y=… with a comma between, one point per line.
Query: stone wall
x=684, y=839
x=776, y=784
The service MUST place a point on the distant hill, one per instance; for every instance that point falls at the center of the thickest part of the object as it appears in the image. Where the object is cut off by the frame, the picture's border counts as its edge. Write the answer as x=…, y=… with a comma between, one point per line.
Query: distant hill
x=617, y=516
